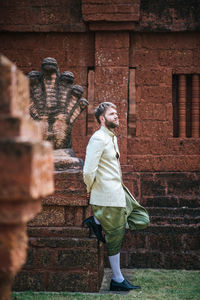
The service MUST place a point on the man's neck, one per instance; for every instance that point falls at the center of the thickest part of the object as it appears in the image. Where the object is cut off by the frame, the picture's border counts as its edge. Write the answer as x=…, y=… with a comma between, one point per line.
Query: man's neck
x=111, y=129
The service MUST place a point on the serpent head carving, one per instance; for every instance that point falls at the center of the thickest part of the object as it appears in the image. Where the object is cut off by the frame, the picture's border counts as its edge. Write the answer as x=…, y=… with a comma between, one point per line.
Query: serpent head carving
x=55, y=102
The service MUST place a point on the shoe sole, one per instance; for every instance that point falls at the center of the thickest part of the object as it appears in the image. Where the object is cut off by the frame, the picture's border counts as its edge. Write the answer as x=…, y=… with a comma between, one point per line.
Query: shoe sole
x=123, y=290
x=120, y=290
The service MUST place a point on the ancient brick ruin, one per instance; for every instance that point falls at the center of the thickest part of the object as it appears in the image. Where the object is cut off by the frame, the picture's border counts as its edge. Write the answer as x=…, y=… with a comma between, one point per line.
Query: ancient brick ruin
x=143, y=56
x=26, y=164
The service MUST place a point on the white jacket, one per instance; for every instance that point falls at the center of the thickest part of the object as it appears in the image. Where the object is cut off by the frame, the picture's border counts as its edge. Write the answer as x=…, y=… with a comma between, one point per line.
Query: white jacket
x=102, y=171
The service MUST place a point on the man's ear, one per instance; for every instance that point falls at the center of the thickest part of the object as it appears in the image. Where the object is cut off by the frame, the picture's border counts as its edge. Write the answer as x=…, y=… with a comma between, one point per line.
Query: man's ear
x=102, y=119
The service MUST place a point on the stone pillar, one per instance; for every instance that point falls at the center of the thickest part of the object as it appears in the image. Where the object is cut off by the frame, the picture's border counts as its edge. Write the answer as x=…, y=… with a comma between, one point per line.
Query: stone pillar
x=195, y=106
x=26, y=168
x=111, y=78
x=182, y=106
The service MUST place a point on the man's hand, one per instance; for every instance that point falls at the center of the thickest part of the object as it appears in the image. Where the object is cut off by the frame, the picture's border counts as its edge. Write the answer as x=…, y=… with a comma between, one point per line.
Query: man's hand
x=88, y=196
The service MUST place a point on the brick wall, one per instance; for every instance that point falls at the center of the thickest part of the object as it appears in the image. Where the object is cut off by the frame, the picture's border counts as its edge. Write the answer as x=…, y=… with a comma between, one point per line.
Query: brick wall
x=156, y=57
x=76, y=15
x=111, y=10
x=73, y=52
x=171, y=241
x=41, y=16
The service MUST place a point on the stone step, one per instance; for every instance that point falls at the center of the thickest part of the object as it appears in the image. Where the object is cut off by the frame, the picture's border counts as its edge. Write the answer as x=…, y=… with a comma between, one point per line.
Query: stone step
x=57, y=281
x=156, y=259
x=58, y=263
x=175, y=211
x=169, y=229
x=80, y=232
x=70, y=231
x=157, y=224
x=175, y=220
x=158, y=246
x=171, y=201
x=63, y=242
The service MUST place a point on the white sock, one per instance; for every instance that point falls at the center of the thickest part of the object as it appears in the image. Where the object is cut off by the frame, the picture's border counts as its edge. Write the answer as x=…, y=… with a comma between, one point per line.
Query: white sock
x=96, y=221
x=115, y=266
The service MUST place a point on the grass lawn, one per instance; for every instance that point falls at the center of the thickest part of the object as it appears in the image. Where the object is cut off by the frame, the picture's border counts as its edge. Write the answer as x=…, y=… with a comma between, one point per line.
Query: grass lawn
x=156, y=285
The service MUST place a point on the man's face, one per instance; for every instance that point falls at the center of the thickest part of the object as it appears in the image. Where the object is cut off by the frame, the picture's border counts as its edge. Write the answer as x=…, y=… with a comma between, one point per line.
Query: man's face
x=111, y=118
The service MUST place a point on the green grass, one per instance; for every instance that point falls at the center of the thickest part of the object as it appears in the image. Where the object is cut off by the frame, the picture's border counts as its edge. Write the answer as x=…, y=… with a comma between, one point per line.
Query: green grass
x=156, y=285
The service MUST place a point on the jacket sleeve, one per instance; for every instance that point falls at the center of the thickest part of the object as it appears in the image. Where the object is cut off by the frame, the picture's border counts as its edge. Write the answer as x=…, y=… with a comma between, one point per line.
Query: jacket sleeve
x=94, y=151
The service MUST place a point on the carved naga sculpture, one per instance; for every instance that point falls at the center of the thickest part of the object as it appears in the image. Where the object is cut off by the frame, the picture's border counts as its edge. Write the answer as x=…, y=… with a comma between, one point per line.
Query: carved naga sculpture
x=56, y=103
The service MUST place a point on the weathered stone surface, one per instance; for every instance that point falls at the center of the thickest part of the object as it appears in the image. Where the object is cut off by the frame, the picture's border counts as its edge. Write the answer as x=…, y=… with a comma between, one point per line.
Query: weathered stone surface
x=60, y=263
x=14, y=89
x=66, y=159
x=188, y=261
x=162, y=163
x=40, y=16
x=13, y=213
x=151, y=186
x=140, y=15
x=70, y=231
x=13, y=249
x=141, y=249
x=115, y=10
x=69, y=259
x=44, y=258
x=57, y=242
x=26, y=167
x=49, y=216
x=70, y=189
x=29, y=280
x=74, y=282
x=163, y=189
x=160, y=15
x=15, y=127
x=36, y=178
x=143, y=15
x=30, y=259
x=157, y=146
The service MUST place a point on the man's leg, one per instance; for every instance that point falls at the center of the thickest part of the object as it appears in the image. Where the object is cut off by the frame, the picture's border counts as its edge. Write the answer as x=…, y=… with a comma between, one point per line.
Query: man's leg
x=138, y=219
x=113, y=245
x=109, y=218
x=137, y=216
x=96, y=221
x=115, y=266
x=114, y=240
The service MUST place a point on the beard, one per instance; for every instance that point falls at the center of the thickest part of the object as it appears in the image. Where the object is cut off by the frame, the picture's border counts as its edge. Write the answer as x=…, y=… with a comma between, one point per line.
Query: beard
x=111, y=125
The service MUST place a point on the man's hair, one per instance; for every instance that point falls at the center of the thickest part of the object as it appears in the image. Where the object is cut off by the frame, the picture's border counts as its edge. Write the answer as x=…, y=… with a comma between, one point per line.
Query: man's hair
x=101, y=109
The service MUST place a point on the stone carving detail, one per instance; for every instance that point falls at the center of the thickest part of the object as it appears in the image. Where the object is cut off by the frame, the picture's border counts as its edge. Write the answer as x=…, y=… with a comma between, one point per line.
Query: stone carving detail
x=55, y=102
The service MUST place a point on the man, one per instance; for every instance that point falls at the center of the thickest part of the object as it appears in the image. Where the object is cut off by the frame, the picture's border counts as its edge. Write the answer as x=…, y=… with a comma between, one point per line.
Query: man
x=113, y=205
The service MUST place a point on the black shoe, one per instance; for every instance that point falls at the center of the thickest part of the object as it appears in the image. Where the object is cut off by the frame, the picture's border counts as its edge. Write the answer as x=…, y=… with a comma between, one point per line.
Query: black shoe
x=133, y=287
x=122, y=286
x=97, y=229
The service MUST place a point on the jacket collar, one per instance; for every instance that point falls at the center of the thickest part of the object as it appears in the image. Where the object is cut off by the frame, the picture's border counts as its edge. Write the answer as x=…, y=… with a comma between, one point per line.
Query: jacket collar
x=107, y=131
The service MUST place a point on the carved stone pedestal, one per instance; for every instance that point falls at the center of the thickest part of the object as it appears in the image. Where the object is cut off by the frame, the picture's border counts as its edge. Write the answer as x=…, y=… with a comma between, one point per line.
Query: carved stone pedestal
x=62, y=254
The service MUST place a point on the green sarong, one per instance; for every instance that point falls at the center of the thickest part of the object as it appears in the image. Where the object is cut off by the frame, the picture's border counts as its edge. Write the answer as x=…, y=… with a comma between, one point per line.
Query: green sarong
x=113, y=221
